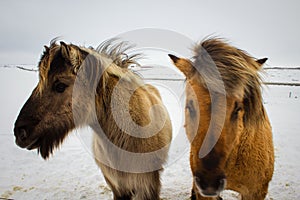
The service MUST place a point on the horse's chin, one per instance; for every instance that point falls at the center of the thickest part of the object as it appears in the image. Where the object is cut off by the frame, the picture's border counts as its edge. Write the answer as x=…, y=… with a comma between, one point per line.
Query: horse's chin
x=28, y=144
x=50, y=141
x=210, y=193
x=45, y=142
x=34, y=145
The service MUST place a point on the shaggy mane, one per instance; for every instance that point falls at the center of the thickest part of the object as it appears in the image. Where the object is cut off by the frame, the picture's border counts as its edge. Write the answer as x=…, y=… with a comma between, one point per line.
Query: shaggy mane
x=117, y=52
x=109, y=51
x=220, y=63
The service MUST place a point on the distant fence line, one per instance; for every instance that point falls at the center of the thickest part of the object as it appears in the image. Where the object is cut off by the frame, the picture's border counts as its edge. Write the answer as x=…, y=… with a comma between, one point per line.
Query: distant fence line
x=20, y=67
x=265, y=83
x=164, y=79
x=179, y=79
x=284, y=84
x=282, y=68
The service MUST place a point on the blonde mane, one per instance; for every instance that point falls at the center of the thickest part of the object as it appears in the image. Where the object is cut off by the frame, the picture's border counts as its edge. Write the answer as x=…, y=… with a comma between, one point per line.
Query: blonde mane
x=220, y=63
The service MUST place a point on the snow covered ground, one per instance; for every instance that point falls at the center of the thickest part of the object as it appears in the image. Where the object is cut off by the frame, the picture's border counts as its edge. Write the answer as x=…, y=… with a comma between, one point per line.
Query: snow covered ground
x=72, y=174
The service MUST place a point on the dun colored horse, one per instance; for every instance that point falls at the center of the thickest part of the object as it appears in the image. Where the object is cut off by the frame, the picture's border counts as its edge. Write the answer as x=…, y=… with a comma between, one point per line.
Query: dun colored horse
x=226, y=123
x=81, y=86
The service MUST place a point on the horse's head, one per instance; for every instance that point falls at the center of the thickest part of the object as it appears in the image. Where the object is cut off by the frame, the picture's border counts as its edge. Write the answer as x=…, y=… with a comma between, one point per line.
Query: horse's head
x=215, y=119
x=47, y=115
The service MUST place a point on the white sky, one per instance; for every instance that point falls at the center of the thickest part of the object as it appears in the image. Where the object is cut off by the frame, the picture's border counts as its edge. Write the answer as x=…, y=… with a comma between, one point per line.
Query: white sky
x=263, y=28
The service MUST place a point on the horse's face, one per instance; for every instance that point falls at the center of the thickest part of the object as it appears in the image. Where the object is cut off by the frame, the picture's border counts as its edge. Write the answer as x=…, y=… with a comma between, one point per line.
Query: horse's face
x=209, y=170
x=47, y=115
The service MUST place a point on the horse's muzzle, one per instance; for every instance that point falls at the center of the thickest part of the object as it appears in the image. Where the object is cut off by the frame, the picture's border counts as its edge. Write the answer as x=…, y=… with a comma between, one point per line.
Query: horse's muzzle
x=211, y=188
x=22, y=133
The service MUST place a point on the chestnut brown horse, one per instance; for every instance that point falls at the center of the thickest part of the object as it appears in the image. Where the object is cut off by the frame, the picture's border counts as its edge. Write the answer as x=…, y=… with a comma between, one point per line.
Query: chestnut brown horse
x=226, y=123
x=85, y=87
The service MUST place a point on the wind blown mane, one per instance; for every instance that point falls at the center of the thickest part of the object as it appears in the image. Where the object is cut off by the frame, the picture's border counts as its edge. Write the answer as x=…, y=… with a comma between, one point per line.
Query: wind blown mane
x=117, y=52
x=220, y=63
x=108, y=52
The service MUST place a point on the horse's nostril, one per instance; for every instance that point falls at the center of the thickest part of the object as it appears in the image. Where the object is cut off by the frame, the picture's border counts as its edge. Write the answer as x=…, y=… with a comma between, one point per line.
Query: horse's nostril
x=222, y=184
x=201, y=183
x=22, y=134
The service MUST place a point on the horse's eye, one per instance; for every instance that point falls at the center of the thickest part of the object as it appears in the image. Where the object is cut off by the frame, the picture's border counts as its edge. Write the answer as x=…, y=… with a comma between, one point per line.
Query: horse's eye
x=237, y=108
x=60, y=87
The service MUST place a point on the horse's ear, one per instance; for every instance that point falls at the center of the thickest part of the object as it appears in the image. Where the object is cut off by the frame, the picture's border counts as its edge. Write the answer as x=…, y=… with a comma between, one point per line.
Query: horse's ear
x=173, y=58
x=47, y=49
x=71, y=54
x=184, y=65
x=65, y=50
x=261, y=61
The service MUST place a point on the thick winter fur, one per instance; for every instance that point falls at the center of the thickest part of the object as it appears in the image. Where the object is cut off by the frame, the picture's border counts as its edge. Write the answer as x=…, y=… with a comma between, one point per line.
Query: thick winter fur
x=81, y=86
x=243, y=154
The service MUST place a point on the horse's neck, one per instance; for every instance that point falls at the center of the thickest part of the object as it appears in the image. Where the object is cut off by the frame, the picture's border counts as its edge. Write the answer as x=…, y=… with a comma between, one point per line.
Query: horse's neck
x=110, y=103
x=249, y=141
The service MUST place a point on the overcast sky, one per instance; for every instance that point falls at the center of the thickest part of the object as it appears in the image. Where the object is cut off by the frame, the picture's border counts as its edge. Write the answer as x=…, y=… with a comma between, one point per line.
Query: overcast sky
x=263, y=28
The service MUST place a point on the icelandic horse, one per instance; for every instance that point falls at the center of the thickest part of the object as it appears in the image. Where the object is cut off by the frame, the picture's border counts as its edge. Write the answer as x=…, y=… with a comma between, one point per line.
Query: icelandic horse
x=226, y=123
x=81, y=86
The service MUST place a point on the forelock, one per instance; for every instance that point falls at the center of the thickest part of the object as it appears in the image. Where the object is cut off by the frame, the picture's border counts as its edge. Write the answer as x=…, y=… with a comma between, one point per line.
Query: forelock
x=44, y=64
